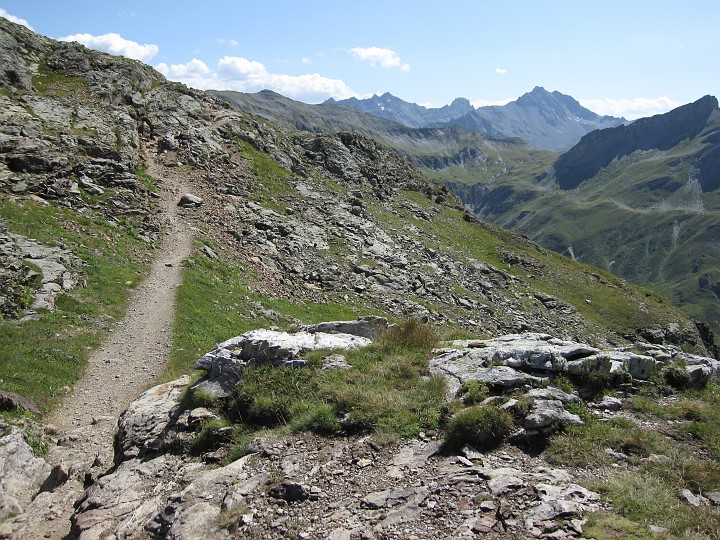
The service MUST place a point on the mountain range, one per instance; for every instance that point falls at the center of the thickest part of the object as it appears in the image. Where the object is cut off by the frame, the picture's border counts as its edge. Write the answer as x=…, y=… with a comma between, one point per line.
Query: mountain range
x=546, y=120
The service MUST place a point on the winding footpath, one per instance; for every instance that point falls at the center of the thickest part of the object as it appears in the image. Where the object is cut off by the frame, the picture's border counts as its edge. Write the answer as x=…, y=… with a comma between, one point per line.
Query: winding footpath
x=132, y=357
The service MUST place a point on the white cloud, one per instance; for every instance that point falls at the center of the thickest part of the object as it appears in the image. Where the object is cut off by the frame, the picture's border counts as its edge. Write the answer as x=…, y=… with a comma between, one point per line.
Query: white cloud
x=630, y=108
x=306, y=60
x=231, y=42
x=193, y=68
x=17, y=20
x=501, y=71
x=378, y=56
x=488, y=103
x=115, y=44
x=244, y=75
x=236, y=67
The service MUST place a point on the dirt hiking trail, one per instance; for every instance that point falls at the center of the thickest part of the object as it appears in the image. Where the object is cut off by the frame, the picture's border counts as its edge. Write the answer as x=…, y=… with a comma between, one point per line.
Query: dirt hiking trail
x=130, y=359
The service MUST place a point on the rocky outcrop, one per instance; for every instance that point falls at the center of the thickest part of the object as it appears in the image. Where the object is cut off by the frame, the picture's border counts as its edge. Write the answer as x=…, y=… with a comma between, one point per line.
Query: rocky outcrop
x=226, y=362
x=515, y=360
x=142, y=427
x=598, y=148
x=329, y=488
x=21, y=474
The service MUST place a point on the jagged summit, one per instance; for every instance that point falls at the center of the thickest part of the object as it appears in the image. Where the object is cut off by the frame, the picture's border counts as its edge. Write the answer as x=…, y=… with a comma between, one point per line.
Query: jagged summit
x=547, y=120
x=409, y=114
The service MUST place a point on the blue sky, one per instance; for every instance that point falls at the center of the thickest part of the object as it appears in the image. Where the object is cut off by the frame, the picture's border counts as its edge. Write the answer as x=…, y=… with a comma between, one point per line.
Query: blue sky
x=628, y=58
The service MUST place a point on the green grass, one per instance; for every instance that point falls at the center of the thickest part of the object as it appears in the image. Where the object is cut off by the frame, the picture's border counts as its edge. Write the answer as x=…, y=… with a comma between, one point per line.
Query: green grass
x=145, y=179
x=218, y=300
x=610, y=526
x=698, y=412
x=212, y=306
x=50, y=83
x=271, y=189
x=584, y=445
x=647, y=492
x=387, y=391
x=42, y=355
x=649, y=498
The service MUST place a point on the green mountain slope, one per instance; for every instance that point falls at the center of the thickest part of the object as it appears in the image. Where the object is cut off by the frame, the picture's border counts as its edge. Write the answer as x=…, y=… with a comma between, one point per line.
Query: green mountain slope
x=649, y=215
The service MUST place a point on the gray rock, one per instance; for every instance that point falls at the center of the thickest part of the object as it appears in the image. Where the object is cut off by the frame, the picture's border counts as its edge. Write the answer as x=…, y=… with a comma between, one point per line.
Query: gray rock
x=290, y=491
x=222, y=376
x=560, y=502
x=608, y=403
x=190, y=201
x=197, y=521
x=368, y=327
x=699, y=375
x=549, y=413
x=227, y=361
x=552, y=393
x=692, y=499
x=461, y=365
x=597, y=364
x=10, y=401
x=21, y=474
x=120, y=503
x=142, y=426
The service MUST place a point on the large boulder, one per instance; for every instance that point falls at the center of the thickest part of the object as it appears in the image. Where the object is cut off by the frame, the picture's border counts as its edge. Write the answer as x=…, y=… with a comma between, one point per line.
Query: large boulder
x=225, y=363
x=142, y=427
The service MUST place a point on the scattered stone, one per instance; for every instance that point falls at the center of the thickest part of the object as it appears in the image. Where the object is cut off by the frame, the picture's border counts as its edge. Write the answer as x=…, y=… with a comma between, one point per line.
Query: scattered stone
x=692, y=499
x=335, y=361
x=190, y=201
x=608, y=403
x=290, y=491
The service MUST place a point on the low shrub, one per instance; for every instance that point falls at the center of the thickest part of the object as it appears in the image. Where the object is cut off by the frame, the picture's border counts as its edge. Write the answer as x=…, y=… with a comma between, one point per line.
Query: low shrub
x=676, y=375
x=320, y=419
x=473, y=392
x=482, y=426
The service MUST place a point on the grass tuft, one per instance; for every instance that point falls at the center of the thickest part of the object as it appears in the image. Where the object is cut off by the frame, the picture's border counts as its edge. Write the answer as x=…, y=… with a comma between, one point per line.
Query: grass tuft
x=482, y=426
